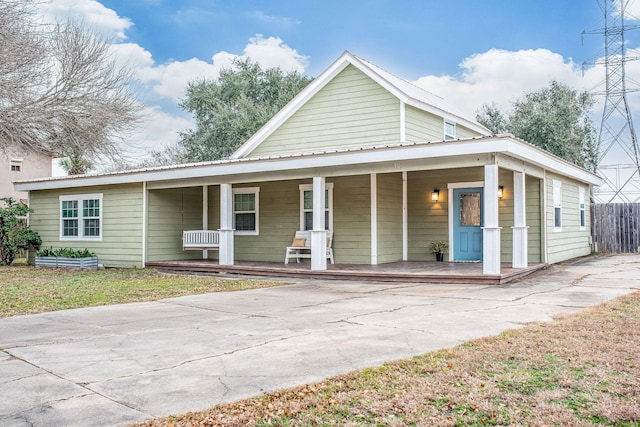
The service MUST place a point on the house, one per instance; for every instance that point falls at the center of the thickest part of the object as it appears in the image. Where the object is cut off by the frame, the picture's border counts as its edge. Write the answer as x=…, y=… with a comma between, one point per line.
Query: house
x=16, y=164
x=386, y=166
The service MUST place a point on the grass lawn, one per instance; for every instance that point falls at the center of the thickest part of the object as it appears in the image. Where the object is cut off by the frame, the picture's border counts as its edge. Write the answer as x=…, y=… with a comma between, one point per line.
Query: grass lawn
x=25, y=289
x=579, y=370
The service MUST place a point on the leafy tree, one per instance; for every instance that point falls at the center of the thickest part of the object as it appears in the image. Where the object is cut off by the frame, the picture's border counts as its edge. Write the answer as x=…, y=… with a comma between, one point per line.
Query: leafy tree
x=61, y=90
x=230, y=109
x=555, y=118
x=14, y=234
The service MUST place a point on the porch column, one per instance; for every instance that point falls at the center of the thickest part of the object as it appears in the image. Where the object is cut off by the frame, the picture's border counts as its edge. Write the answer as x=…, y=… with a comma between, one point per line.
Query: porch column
x=318, y=234
x=491, y=230
x=520, y=229
x=205, y=215
x=226, y=225
x=374, y=218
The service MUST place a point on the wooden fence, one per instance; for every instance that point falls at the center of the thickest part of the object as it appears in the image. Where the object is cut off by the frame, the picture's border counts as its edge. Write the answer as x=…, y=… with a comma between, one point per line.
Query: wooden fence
x=615, y=227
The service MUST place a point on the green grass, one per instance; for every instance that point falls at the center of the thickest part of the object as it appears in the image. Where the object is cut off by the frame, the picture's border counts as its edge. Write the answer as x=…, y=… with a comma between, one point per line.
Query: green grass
x=26, y=290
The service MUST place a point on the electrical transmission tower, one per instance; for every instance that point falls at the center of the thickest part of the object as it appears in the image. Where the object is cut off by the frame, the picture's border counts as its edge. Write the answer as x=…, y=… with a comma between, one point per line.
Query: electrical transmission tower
x=618, y=155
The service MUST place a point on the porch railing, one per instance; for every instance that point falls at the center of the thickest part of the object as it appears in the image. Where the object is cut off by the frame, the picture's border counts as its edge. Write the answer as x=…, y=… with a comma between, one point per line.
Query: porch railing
x=200, y=239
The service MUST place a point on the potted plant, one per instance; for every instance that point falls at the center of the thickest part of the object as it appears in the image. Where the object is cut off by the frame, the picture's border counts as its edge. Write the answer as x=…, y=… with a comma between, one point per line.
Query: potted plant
x=438, y=249
x=66, y=257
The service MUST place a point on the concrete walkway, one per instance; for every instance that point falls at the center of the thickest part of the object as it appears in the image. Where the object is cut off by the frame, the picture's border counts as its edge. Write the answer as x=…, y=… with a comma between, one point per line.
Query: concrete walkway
x=115, y=365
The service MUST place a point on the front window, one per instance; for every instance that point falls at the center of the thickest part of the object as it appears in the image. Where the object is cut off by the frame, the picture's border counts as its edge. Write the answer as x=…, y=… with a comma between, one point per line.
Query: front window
x=449, y=131
x=81, y=217
x=245, y=210
x=306, y=206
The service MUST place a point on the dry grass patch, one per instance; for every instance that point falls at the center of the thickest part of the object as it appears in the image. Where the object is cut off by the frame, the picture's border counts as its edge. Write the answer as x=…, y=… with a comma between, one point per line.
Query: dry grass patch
x=26, y=290
x=579, y=370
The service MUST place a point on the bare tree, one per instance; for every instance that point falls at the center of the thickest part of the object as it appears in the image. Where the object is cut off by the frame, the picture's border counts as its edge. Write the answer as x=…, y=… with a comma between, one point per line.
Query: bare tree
x=61, y=90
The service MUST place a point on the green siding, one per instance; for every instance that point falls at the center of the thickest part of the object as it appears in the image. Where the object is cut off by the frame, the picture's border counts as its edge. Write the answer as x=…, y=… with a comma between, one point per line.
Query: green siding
x=352, y=219
x=423, y=126
x=350, y=111
x=170, y=212
x=534, y=221
x=571, y=242
x=389, y=213
x=121, y=244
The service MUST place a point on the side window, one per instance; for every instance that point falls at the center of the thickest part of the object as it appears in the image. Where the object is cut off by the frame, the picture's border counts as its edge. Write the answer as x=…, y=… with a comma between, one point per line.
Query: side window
x=306, y=206
x=246, y=210
x=449, y=131
x=581, y=209
x=15, y=165
x=81, y=217
x=557, y=205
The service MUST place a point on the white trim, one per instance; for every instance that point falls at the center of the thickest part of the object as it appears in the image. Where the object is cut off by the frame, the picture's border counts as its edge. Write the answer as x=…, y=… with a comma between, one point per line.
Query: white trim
x=144, y=223
x=403, y=122
x=80, y=198
x=328, y=186
x=256, y=211
x=544, y=218
x=205, y=215
x=582, y=213
x=450, y=187
x=405, y=218
x=374, y=218
x=410, y=156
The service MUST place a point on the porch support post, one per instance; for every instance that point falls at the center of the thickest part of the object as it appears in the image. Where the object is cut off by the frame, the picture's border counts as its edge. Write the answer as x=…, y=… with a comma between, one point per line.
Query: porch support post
x=226, y=225
x=205, y=215
x=318, y=234
x=520, y=229
x=491, y=230
x=405, y=219
x=374, y=218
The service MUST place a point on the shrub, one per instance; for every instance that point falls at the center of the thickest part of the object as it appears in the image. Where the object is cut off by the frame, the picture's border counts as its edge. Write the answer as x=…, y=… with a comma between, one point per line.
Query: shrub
x=66, y=252
x=14, y=233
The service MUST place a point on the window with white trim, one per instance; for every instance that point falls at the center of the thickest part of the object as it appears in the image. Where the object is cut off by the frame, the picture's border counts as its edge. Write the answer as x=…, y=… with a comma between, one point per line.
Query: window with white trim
x=581, y=209
x=306, y=206
x=449, y=131
x=557, y=205
x=81, y=217
x=246, y=210
x=15, y=165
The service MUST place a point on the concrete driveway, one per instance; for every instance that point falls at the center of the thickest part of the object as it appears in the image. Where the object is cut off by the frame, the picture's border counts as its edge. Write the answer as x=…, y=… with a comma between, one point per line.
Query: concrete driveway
x=115, y=365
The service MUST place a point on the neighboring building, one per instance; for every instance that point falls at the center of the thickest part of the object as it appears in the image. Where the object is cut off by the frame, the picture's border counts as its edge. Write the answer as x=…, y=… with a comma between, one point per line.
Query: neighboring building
x=18, y=164
x=397, y=169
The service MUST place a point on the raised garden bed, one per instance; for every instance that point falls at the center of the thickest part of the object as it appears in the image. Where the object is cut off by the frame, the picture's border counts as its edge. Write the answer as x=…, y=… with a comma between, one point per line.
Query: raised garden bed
x=66, y=258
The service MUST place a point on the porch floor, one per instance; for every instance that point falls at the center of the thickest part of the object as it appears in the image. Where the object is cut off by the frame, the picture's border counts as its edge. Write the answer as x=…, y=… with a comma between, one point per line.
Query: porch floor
x=402, y=271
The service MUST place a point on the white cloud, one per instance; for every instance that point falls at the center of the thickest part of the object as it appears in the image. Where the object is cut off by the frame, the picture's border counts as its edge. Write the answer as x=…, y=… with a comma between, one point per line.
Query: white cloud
x=502, y=76
x=158, y=130
x=170, y=79
x=100, y=18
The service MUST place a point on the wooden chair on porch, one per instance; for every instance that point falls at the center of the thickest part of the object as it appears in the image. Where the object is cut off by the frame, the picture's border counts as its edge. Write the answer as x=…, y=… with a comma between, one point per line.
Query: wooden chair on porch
x=301, y=247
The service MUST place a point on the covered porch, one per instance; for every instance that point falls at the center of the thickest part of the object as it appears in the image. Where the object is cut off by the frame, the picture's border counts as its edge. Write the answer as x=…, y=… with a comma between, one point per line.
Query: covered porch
x=400, y=271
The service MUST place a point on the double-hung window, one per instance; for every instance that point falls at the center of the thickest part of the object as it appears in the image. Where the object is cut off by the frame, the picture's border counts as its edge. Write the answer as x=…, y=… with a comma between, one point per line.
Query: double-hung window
x=581, y=207
x=449, y=131
x=246, y=210
x=81, y=217
x=557, y=205
x=306, y=206
x=16, y=165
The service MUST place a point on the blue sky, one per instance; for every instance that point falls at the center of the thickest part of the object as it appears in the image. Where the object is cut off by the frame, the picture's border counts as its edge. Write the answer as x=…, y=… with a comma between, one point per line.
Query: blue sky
x=468, y=51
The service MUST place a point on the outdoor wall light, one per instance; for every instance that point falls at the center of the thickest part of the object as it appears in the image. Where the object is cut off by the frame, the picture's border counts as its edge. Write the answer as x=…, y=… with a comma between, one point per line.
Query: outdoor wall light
x=435, y=194
x=500, y=191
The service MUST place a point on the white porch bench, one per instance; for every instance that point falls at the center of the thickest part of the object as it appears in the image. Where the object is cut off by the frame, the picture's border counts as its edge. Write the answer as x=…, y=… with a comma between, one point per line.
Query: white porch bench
x=300, y=249
x=200, y=240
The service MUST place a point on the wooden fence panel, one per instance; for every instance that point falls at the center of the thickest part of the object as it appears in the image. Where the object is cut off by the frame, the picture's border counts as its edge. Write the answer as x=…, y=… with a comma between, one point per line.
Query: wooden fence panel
x=615, y=227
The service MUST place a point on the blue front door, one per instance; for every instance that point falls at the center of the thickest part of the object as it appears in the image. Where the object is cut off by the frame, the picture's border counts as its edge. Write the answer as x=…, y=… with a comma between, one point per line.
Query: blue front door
x=467, y=224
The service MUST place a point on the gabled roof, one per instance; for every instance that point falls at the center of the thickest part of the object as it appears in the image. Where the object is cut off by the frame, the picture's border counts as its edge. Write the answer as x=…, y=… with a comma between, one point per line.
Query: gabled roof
x=405, y=91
